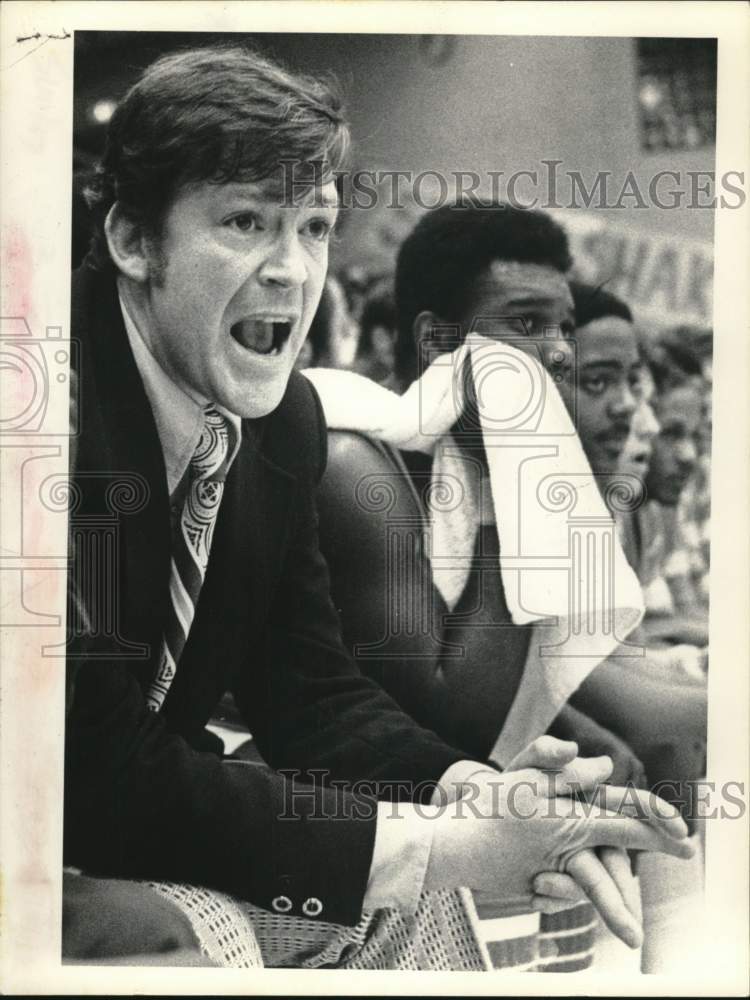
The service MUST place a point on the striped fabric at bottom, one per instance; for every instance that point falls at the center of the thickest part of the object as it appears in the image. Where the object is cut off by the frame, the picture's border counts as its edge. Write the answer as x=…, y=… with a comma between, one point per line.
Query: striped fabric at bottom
x=566, y=939
x=511, y=937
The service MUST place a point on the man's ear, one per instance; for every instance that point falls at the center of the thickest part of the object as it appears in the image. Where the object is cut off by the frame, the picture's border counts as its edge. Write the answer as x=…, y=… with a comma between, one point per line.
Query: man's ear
x=435, y=336
x=127, y=246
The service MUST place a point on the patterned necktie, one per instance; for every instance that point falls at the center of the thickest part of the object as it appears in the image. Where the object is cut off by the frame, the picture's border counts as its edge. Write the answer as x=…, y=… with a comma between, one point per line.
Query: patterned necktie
x=208, y=469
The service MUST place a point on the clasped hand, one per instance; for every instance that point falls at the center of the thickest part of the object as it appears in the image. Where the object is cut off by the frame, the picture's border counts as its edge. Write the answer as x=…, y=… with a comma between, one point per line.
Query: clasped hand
x=548, y=829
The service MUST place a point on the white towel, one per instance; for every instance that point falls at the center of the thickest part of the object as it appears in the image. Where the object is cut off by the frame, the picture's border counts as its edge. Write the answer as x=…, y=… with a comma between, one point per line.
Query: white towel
x=561, y=562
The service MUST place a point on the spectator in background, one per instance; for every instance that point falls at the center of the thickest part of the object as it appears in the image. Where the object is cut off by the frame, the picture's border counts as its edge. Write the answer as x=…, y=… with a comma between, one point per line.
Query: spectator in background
x=316, y=349
x=344, y=332
x=376, y=348
x=356, y=281
x=636, y=455
x=687, y=354
x=332, y=338
x=646, y=554
x=675, y=464
x=676, y=450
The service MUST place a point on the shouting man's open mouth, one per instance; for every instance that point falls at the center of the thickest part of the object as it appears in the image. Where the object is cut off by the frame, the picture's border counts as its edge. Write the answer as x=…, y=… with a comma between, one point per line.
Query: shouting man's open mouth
x=262, y=334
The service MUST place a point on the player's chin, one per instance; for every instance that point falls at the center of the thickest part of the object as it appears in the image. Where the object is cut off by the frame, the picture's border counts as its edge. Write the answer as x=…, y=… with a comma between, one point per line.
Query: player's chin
x=605, y=464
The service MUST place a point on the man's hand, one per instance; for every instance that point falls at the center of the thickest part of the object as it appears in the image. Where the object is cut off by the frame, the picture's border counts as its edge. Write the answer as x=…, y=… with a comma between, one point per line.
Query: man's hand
x=595, y=741
x=627, y=769
x=507, y=829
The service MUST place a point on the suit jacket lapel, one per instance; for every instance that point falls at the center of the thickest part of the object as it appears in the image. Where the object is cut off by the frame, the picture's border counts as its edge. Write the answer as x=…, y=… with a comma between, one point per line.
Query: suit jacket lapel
x=255, y=514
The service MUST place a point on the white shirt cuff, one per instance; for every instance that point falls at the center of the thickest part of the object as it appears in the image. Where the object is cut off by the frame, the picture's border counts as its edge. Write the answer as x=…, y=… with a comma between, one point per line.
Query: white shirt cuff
x=403, y=840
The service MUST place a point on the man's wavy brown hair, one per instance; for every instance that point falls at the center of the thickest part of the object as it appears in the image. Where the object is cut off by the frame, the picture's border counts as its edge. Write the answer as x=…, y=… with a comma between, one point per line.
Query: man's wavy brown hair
x=217, y=114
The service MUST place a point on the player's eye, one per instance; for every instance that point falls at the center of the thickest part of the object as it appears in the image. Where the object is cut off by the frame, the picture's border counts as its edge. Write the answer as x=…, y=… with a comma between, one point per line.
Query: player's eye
x=594, y=385
x=672, y=432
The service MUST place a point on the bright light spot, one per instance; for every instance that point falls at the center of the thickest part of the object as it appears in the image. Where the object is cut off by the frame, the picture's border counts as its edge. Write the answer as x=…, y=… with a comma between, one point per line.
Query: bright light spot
x=102, y=111
x=650, y=95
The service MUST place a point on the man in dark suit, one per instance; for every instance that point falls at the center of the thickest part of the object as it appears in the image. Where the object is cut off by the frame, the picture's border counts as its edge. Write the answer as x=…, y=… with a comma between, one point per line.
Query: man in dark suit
x=203, y=279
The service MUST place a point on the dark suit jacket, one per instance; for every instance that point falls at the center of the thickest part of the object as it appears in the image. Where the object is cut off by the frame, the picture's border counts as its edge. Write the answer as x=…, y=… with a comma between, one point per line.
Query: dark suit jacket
x=148, y=795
